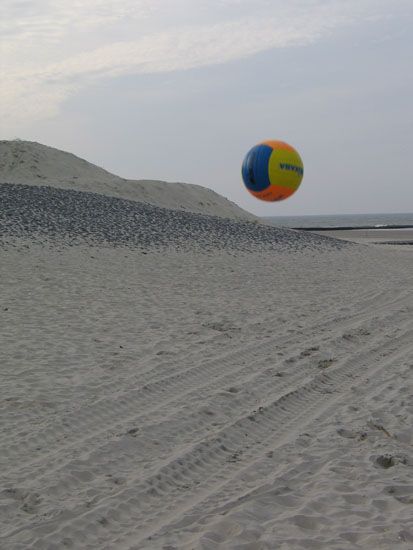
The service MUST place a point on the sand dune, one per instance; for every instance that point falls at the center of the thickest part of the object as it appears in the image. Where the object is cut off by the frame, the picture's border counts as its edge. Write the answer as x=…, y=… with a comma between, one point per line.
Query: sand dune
x=233, y=387
x=32, y=163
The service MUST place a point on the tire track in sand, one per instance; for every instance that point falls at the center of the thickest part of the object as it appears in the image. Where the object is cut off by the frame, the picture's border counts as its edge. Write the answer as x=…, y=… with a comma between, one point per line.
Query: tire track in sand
x=151, y=399
x=191, y=477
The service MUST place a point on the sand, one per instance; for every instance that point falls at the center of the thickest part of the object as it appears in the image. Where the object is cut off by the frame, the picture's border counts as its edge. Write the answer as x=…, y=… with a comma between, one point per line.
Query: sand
x=205, y=401
x=32, y=163
x=189, y=395
x=398, y=237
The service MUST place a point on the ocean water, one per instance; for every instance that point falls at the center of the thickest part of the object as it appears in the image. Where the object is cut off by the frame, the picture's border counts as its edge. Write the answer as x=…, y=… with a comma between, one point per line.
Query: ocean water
x=344, y=220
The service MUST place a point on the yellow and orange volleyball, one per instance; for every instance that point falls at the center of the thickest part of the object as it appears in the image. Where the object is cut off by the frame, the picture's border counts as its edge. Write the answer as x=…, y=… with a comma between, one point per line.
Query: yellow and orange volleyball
x=272, y=170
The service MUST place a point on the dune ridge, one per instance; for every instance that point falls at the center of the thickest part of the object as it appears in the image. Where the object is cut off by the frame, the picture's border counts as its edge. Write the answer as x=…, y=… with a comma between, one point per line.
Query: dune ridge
x=32, y=163
x=72, y=216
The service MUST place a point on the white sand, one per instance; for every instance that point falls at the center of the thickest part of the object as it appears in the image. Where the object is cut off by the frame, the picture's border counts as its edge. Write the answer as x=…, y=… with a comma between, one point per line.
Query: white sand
x=200, y=401
x=32, y=163
x=181, y=401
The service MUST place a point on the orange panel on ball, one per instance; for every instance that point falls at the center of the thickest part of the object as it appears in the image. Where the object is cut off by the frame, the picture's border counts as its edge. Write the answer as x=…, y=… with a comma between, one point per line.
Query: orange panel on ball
x=279, y=145
x=273, y=193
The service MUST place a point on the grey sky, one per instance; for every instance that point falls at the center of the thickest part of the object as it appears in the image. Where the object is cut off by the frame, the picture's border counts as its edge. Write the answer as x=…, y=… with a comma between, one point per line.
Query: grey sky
x=181, y=89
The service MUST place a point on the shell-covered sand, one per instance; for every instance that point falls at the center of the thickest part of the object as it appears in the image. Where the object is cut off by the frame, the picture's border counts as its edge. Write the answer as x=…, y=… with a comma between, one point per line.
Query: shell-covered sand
x=32, y=163
x=175, y=380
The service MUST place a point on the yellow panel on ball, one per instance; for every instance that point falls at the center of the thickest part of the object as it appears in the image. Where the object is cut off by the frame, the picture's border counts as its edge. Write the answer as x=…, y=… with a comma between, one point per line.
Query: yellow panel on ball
x=285, y=168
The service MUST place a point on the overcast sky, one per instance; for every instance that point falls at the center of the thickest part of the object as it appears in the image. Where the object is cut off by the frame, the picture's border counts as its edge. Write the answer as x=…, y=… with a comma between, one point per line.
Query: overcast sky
x=179, y=90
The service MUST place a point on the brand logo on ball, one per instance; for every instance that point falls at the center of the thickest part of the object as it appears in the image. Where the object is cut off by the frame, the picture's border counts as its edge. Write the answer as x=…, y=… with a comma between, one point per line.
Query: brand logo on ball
x=298, y=169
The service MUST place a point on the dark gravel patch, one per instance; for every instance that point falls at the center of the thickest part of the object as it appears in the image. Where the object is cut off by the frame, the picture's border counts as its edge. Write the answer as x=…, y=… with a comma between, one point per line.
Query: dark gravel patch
x=45, y=214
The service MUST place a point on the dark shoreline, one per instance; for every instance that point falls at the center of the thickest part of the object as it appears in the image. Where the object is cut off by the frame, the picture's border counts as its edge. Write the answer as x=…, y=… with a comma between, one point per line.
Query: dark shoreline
x=407, y=243
x=352, y=227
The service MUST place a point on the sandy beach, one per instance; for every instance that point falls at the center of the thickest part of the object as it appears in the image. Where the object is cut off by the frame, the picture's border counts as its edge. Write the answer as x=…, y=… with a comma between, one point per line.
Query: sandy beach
x=396, y=237
x=176, y=380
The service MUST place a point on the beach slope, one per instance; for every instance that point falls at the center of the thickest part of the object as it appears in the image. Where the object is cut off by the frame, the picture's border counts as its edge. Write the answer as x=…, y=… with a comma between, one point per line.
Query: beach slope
x=32, y=163
x=178, y=380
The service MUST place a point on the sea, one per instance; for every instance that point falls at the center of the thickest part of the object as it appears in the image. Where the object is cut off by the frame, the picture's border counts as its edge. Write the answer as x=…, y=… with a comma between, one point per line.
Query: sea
x=345, y=221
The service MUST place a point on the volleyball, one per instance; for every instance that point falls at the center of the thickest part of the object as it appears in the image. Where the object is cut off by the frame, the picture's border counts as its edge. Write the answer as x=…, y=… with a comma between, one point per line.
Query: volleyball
x=272, y=170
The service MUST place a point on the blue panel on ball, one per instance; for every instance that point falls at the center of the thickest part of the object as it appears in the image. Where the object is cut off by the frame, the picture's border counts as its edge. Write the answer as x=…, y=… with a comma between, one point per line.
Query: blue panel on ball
x=255, y=168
